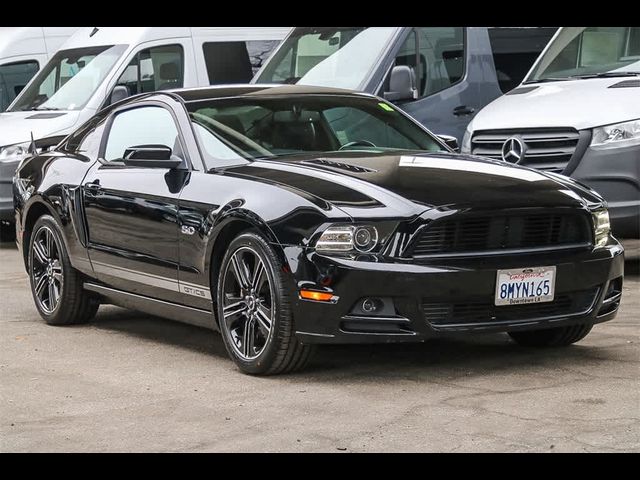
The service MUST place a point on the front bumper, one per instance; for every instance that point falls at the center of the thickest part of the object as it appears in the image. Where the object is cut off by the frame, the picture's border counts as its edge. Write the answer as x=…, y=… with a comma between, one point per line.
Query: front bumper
x=416, y=288
x=614, y=174
x=7, y=170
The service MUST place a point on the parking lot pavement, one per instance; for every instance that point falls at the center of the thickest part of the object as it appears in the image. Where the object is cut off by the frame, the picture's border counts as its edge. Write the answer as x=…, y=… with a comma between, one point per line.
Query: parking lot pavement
x=130, y=382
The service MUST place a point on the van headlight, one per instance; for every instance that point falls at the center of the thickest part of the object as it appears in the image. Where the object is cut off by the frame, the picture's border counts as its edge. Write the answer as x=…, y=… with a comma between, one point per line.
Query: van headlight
x=466, y=142
x=14, y=153
x=619, y=135
x=601, y=227
x=348, y=238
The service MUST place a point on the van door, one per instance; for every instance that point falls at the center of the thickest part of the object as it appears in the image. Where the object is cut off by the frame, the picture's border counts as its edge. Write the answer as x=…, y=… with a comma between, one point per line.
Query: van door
x=448, y=83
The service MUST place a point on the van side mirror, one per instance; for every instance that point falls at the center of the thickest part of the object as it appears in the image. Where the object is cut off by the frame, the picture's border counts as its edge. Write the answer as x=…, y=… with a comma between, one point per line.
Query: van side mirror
x=402, y=84
x=120, y=92
x=451, y=142
x=151, y=156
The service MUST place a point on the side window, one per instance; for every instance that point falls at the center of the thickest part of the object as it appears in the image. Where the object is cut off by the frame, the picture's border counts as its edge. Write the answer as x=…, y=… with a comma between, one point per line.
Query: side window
x=235, y=62
x=156, y=68
x=441, y=58
x=141, y=126
x=13, y=78
x=86, y=141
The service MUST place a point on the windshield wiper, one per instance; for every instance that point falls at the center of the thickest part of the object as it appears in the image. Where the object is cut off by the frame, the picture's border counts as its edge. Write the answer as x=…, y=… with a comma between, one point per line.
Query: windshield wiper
x=46, y=108
x=606, y=75
x=545, y=80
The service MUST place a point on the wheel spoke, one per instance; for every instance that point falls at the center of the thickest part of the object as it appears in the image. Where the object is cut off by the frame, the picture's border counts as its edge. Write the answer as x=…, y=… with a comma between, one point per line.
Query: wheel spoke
x=240, y=271
x=51, y=296
x=258, y=275
x=264, y=319
x=230, y=312
x=57, y=271
x=248, y=338
x=41, y=281
x=56, y=295
x=48, y=241
x=39, y=253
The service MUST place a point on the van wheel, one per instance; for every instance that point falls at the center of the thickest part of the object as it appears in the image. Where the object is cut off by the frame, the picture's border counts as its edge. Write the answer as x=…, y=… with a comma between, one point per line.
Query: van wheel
x=56, y=286
x=254, y=310
x=552, y=337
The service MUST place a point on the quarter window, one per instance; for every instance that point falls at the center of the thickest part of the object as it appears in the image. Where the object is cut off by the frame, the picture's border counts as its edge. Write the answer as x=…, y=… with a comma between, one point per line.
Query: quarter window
x=141, y=126
x=436, y=55
x=13, y=78
x=156, y=68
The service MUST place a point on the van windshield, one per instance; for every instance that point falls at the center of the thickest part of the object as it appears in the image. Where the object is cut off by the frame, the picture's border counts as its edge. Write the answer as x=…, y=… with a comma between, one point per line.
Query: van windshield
x=590, y=52
x=69, y=79
x=326, y=56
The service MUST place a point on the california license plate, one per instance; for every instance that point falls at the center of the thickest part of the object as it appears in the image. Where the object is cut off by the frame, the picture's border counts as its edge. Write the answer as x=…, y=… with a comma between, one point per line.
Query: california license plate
x=525, y=285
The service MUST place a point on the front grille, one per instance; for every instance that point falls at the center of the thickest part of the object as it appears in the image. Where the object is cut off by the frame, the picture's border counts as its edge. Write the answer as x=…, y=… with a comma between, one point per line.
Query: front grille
x=478, y=312
x=495, y=233
x=545, y=149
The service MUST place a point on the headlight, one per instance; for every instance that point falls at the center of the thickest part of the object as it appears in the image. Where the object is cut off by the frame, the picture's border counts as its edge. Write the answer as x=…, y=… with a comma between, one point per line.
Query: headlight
x=466, y=142
x=601, y=227
x=348, y=238
x=616, y=136
x=14, y=153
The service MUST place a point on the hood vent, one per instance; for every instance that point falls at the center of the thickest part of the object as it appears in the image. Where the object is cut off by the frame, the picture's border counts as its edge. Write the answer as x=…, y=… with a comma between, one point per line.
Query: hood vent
x=522, y=90
x=44, y=116
x=627, y=83
x=340, y=166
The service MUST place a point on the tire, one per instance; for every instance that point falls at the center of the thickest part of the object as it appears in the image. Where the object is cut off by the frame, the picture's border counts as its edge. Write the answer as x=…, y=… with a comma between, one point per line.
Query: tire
x=552, y=337
x=271, y=347
x=71, y=303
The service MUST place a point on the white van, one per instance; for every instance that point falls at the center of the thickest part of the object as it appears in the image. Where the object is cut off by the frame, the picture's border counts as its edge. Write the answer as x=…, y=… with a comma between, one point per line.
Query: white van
x=98, y=66
x=576, y=113
x=23, y=50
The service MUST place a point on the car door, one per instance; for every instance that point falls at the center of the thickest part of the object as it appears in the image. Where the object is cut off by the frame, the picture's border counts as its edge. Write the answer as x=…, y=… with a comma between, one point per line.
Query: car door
x=132, y=212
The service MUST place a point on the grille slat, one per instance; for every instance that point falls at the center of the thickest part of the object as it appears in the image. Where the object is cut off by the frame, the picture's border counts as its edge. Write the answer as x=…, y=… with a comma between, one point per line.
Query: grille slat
x=565, y=304
x=501, y=232
x=548, y=149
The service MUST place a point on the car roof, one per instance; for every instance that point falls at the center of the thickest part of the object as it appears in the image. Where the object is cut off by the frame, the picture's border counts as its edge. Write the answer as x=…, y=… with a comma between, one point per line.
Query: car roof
x=257, y=90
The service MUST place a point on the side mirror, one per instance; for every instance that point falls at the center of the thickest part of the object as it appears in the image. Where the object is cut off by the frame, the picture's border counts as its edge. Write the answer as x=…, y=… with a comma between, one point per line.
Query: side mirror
x=451, y=142
x=120, y=92
x=402, y=84
x=151, y=156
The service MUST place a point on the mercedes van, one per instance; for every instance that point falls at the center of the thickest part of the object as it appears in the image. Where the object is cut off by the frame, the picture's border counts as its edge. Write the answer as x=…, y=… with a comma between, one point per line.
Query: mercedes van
x=23, y=50
x=98, y=66
x=440, y=76
x=577, y=113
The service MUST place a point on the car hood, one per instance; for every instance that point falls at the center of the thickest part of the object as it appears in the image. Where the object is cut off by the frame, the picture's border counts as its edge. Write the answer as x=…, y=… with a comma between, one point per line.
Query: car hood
x=360, y=183
x=17, y=127
x=580, y=104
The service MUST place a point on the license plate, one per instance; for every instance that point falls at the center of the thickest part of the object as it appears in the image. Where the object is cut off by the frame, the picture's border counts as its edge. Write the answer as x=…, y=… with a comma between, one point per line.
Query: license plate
x=525, y=285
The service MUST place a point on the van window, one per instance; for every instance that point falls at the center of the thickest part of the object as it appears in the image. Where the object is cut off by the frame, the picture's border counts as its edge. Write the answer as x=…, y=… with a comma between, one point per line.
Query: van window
x=141, y=126
x=13, y=78
x=235, y=62
x=156, y=68
x=342, y=57
x=514, y=50
x=69, y=79
x=587, y=51
x=437, y=56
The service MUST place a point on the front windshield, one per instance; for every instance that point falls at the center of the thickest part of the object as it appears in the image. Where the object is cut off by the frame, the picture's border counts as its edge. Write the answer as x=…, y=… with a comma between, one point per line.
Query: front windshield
x=590, y=51
x=269, y=127
x=69, y=79
x=332, y=57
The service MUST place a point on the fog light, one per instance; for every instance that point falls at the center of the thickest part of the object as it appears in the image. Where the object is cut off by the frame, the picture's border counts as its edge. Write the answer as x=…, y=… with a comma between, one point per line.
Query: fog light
x=372, y=305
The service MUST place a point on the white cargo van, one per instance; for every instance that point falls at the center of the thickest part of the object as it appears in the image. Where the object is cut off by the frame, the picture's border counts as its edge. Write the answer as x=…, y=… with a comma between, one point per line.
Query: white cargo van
x=23, y=50
x=576, y=113
x=101, y=65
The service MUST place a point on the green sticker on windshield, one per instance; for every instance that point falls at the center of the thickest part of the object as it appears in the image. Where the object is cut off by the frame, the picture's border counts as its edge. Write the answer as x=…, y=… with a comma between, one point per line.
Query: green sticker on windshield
x=386, y=107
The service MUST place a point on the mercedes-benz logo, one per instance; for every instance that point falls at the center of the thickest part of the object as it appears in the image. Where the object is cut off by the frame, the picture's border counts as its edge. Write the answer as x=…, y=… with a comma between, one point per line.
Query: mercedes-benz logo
x=513, y=150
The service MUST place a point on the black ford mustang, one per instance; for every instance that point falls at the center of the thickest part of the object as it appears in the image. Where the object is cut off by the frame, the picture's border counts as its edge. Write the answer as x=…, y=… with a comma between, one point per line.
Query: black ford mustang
x=290, y=216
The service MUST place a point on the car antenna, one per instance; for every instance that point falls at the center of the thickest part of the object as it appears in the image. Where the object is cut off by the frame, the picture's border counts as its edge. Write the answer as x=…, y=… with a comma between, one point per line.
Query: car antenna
x=94, y=31
x=32, y=146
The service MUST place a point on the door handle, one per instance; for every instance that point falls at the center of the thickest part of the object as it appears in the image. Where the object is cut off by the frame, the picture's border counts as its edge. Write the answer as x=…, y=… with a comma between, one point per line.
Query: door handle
x=93, y=188
x=463, y=110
